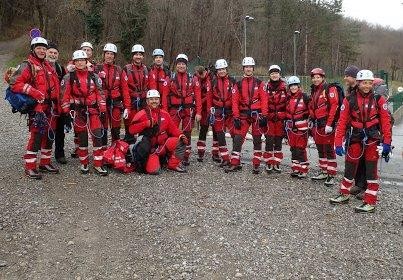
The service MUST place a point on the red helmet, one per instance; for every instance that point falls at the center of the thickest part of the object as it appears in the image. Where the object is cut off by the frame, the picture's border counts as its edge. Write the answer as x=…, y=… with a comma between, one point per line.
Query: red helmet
x=318, y=71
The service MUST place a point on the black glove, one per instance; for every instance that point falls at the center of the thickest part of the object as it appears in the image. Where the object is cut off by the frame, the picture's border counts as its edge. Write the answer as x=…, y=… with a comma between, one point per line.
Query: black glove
x=102, y=117
x=237, y=123
x=67, y=121
x=263, y=121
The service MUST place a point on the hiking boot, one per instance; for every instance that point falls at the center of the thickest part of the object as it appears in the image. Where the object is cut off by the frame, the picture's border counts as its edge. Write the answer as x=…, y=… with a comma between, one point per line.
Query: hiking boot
x=74, y=154
x=232, y=168
x=277, y=168
x=84, y=168
x=101, y=170
x=61, y=160
x=269, y=168
x=180, y=168
x=224, y=163
x=365, y=208
x=295, y=173
x=340, y=199
x=256, y=169
x=360, y=195
x=49, y=168
x=200, y=159
x=355, y=190
x=216, y=158
x=321, y=176
x=33, y=174
x=185, y=162
x=302, y=175
x=329, y=181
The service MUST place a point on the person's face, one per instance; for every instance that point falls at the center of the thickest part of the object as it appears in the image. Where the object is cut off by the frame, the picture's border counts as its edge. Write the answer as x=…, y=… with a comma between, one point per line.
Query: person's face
x=202, y=75
x=294, y=88
x=40, y=52
x=181, y=67
x=222, y=72
x=88, y=51
x=365, y=86
x=52, y=55
x=109, y=57
x=274, y=76
x=349, y=81
x=158, y=60
x=153, y=102
x=317, y=79
x=138, y=58
x=80, y=64
x=248, y=71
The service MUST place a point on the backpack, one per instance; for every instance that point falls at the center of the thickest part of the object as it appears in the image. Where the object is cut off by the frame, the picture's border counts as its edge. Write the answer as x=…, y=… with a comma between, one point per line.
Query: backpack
x=21, y=102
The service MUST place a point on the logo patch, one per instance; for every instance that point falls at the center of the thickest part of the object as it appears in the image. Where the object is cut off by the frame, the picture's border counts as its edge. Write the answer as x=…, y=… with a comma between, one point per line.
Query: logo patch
x=385, y=106
x=342, y=107
x=62, y=83
x=331, y=95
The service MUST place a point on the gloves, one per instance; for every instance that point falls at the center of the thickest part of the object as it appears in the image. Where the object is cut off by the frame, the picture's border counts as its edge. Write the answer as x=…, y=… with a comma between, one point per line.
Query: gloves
x=102, y=117
x=340, y=151
x=125, y=114
x=184, y=139
x=198, y=118
x=328, y=129
x=71, y=67
x=263, y=121
x=102, y=75
x=37, y=95
x=386, y=151
x=237, y=123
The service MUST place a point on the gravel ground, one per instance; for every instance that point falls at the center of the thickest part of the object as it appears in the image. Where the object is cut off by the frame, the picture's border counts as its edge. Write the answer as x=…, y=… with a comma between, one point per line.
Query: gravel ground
x=192, y=226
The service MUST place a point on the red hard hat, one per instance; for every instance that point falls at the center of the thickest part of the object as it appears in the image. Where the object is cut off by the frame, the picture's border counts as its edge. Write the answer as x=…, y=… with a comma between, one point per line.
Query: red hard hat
x=318, y=71
x=378, y=81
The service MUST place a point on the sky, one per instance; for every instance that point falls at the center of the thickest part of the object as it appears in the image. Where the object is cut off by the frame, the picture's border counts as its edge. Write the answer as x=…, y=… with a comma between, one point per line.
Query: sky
x=383, y=12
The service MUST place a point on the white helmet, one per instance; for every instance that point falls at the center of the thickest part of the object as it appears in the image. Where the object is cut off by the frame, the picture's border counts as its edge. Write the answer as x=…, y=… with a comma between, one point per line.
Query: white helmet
x=182, y=56
x=79, y=54
x=152, y=93
x=293, y=80
x=138, y=48
x=248, y=61
x=158, y=52
x=39, y=41
x=220, y=64
x=109, y=47
x=274, y=67
x=86, y=44
x=365, y=75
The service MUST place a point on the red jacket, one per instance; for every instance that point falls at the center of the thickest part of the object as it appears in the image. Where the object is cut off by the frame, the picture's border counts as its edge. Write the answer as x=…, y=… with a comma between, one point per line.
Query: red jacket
x=221, y=93
x=158, y=78
x=167, y=127
x=249, y=96
x=38, y=78
x=137, y=80
x=324, y=106
x=297, y=110
x=114, y=84
x=370, y=112
x=277, y=100
x=184, y=91
x=205, y=89
x=83, y=91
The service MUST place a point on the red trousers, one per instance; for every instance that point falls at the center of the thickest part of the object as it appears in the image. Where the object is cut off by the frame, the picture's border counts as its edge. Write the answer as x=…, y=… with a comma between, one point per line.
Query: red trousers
x=325, y=145
x=169, y=149
x=221, y=125
x=298, y=142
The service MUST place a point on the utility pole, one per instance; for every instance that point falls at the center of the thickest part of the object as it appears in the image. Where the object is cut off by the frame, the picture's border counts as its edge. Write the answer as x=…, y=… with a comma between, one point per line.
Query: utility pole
x=244, y=29
x=296, y=32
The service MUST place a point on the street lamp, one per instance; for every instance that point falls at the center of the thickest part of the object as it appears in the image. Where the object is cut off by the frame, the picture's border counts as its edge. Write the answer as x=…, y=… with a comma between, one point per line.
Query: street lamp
x=244, y=29
x=296, y=32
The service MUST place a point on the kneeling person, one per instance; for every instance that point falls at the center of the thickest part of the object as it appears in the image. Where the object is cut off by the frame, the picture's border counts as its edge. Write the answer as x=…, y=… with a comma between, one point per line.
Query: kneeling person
x=158, y=137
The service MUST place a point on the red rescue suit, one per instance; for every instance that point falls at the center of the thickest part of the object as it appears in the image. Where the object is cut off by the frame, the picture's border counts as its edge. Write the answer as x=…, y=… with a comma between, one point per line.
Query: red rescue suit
x=323, y=112
x=277, y=100
x=158, y=78
x=184, y=99
x=297, y=115
x=164, y=142
x=249, y=104
x=116, y=91
x=369, y=121
x=84, y=92
x=219, y=104
x=38, y=79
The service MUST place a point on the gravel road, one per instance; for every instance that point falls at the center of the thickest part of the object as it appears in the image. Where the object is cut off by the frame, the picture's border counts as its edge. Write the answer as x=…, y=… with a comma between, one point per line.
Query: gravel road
x=202, y=225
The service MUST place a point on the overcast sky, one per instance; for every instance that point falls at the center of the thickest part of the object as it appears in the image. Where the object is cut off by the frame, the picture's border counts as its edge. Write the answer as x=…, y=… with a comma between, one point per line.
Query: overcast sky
x=383, y=12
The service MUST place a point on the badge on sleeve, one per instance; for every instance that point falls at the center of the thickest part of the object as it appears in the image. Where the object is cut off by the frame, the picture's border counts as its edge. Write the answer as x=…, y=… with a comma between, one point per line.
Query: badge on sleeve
x=331, y=95
x=385, y=106
x=165, y=83
x=62, y=83
x=233, y=91
x=342, y=107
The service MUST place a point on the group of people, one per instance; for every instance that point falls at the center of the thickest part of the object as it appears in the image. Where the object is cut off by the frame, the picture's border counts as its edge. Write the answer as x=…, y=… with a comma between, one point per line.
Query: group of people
x=159, y=109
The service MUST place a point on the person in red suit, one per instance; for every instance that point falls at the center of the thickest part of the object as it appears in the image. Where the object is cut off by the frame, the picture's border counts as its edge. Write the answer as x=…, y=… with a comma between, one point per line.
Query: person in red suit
x=158, y=77
x=370, y=122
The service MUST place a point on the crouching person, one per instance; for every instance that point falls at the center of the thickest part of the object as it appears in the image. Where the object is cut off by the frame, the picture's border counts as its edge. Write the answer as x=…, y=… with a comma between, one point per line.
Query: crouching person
x=159, y=138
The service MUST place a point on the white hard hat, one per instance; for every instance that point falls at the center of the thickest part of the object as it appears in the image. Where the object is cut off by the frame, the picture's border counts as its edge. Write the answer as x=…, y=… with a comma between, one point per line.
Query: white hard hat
x=109, y=47
x=248, y=61
x=274, y=67
x=400, y=89
x=158, y=52
x=79, y=54
x=220, y=64
x=39, y=41
x=138, y=48
x=293, y=80
x=86, y=44
x=182, y=56
x=365, y=75
x=152, y=93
